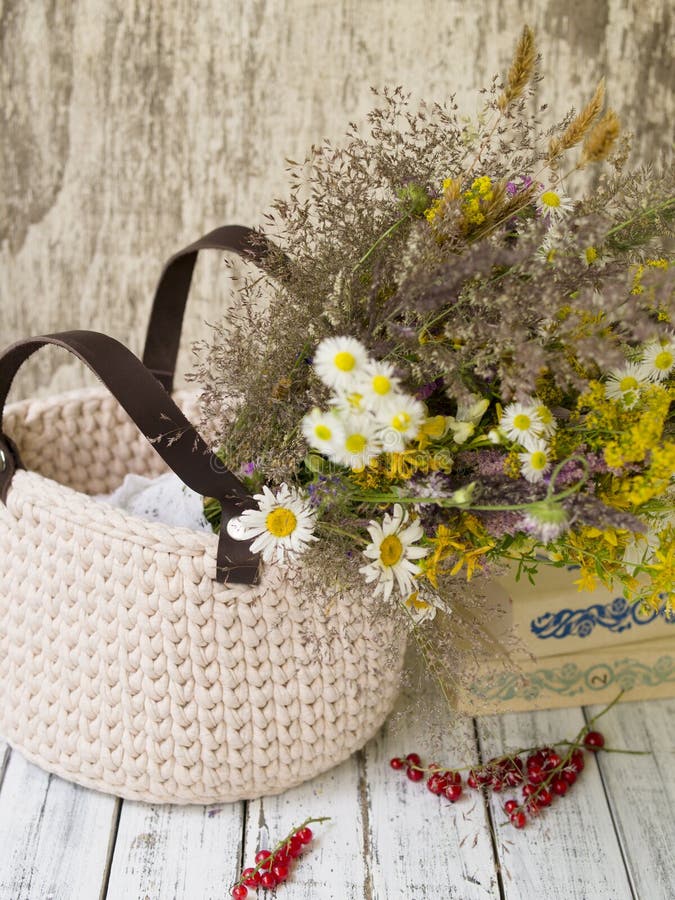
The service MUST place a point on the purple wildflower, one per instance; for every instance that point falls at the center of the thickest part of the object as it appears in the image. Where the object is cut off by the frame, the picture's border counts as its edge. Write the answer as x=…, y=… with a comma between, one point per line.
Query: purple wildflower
x=429, y=388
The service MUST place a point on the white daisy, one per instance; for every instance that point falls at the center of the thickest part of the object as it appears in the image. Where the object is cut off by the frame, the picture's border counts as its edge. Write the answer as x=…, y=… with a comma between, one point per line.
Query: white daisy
x=554, y=204
x=422, y=604
x=322, y=430
x=534, y=462
x=625, y=383
x=338, y=361
x=282, y=526
x=658, y=359
x=358, y=443
x=378, y=384
x=392, y=551
x=546, y=520
x=521, y=423
x=400, y=420
x=347, y=403
x=548, y=423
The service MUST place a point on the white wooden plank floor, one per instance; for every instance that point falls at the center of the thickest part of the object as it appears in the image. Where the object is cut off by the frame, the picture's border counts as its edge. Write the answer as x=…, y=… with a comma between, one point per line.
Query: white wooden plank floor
x=611, y=838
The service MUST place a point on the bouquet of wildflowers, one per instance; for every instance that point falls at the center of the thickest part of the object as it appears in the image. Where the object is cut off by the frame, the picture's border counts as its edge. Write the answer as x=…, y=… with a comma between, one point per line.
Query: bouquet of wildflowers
x=455, y=361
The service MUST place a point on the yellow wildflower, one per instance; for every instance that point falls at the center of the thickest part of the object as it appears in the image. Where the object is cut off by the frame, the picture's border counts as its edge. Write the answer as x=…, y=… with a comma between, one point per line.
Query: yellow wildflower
x=452, y=547
x=475, y=199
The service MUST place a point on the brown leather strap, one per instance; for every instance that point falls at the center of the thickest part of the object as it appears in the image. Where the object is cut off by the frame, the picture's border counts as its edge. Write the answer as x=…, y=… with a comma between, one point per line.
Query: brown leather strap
x=168, y=308
x=159, y=419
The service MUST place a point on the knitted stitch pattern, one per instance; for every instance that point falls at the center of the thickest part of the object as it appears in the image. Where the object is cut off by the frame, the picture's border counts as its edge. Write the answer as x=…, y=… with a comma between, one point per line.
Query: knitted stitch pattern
x=124, y=665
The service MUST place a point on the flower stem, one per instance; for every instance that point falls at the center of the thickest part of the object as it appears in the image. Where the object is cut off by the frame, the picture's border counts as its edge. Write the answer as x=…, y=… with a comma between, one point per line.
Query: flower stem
x=382, y=237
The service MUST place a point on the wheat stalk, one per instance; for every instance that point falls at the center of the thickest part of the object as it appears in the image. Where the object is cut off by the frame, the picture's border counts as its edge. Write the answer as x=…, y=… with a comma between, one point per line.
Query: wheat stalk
x=601, y=139
x=579, y=126
x=521, y=69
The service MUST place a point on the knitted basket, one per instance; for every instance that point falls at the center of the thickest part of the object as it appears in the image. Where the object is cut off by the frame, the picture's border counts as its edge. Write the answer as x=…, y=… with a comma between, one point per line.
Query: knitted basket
x=132, y=658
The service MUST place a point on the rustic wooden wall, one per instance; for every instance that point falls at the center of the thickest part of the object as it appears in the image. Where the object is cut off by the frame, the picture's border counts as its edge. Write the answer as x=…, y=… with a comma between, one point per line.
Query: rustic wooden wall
x=128, y=128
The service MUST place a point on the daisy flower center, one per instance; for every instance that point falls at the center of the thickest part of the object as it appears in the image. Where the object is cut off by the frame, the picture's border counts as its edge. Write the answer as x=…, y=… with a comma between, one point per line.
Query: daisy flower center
x=521, y=422
x=381, y=385
x=281, y=522
x=628, y=383
x=550, y=198
x=391, y=550
x=344, y=361
x=401, y=422
x=323, y=432
x=538, y=460
x=356, y=443
x=663, y=360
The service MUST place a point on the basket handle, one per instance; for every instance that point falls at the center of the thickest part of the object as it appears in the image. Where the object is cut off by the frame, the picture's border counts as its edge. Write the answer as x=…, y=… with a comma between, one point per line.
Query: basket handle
x=159, y=419
x=168, y=307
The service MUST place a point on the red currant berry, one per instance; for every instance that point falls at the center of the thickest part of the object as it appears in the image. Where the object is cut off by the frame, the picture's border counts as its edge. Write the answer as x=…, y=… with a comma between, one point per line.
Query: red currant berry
x=497, y=785
x=268, y=880
x=435, y=784
x=239, y=892
x=514, y=777
x=264, y=857
x=570, y=776
x=529, y=789
x=250, y=877
x=532, y=807
x=434, y=767
x=453, y=792
x=594, y=741
x=294, y=846
x=535, y=774
x=577, y=762
x=396, y=763
x=413, y=759
x=544, y=797
x=518, y=819
x=511, y=806
x=471, y=781
x=535, y=759
x=305, y=835
x=282, y=856
x=280, y=871
x=559, y=786
x=414, y=774
x=552, y=761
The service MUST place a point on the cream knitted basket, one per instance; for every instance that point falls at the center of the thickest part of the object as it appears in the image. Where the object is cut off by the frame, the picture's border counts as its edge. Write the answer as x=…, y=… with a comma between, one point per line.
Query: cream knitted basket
x=126, y=667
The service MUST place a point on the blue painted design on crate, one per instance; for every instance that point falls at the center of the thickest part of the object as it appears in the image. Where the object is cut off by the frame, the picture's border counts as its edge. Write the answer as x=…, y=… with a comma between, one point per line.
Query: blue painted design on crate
x=570, y=680
x=617, y=616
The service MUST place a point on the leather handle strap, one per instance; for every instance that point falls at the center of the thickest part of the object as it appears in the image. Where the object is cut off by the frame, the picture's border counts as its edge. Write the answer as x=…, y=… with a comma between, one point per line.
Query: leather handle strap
x=168, y=307
x=159, y=419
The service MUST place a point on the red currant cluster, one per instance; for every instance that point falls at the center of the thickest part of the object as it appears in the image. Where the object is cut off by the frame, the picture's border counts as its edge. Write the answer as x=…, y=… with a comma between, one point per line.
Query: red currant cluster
x=272, y=867
x=544, y=774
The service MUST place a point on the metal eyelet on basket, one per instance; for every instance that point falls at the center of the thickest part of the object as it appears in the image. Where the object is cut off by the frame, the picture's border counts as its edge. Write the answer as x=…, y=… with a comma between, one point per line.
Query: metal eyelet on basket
x=3, y=460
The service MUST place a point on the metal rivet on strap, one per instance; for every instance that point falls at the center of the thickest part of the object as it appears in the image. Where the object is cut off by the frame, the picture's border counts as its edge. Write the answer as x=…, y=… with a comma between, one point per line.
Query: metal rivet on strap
x=3, y=460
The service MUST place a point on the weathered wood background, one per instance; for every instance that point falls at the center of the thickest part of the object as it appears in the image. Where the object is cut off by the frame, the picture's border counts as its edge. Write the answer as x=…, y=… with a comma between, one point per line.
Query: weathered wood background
x=129, y=128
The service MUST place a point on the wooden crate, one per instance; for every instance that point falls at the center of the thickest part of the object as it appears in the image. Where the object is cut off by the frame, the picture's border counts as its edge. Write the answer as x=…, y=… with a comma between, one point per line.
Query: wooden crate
x=554, y=617
x=573, y=647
